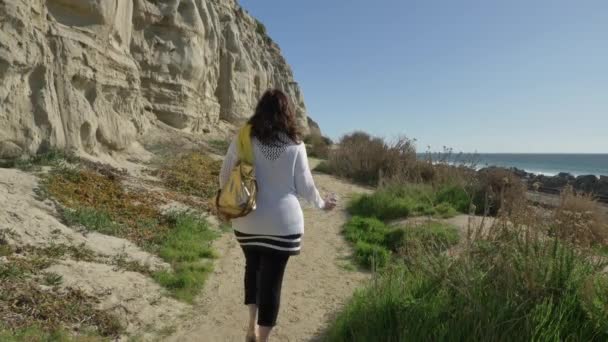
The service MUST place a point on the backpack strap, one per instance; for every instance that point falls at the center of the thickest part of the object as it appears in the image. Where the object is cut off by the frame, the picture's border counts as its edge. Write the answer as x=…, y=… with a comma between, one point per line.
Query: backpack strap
x=245, y=148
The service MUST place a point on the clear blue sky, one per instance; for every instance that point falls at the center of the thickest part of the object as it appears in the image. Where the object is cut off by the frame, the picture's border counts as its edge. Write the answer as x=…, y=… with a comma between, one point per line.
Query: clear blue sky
x=475, y=75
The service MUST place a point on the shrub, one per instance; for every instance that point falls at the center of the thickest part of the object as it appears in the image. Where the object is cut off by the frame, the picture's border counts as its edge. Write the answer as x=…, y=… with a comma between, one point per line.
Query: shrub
x=455, y=196
x=370, y=230
x=323, y=167
x=496, y=190
x=383, y=205
x=445, y=210
x=365, y=159
x=371, y=256
x=580, y=220
x=317, y=146
x=260, y=28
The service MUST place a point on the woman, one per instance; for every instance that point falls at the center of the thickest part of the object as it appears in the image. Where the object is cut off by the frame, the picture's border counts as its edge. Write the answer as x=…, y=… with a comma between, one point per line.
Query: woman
x=272, y=233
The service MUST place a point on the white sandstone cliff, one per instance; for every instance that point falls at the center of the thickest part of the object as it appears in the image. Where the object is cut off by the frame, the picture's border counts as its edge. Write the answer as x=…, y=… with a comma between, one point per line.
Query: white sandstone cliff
x=96, y=75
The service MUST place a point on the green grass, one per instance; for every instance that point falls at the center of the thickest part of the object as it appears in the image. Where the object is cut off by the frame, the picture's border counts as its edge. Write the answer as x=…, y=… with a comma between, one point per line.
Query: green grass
x=432, y=237
x=185, y=248
x=220, y=145
x=410, y=200
x=99, y=203
x=371, y=256
x=383, y=205
x=455, y=196
x=370, y=230
x=94, y=220
x=445, y=210
x=185, y=245
x=506, y=290
x=53, y=157
x=375, y=242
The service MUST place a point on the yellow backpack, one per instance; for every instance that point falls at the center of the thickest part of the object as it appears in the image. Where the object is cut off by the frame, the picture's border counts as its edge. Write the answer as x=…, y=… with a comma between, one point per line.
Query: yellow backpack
x=237, y=198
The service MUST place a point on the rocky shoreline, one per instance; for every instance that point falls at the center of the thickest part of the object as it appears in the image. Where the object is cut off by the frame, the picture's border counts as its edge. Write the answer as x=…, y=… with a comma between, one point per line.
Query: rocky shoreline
x=591, y=184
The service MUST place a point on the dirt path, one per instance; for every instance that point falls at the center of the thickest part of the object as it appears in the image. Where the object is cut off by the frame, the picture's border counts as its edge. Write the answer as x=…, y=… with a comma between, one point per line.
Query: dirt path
x=315, y=285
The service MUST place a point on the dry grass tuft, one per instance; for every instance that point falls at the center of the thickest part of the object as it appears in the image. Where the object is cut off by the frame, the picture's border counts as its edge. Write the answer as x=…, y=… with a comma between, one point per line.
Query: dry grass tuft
x=580, y=220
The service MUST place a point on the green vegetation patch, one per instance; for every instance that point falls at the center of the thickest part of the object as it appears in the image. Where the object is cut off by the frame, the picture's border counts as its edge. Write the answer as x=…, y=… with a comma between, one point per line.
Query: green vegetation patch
x=220, y=145
x=375, y=242
x=52, y=157
x=323, y=167
x=35, y=333
x=186, y=246
x=29, y=310
x=404, y=201
x=502, y=289
x=192, y=174
x=434, y=237
x=98, y=202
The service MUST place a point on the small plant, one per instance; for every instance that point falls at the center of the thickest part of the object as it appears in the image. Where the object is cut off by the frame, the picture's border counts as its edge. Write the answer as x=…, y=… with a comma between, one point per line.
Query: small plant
x=371, y=256
x=94, y=220
x=260, y=28
x=186, y=246
x=370, y=230
x=220, y=145
x=455, y=196
x=445, y=210
x=52, y=279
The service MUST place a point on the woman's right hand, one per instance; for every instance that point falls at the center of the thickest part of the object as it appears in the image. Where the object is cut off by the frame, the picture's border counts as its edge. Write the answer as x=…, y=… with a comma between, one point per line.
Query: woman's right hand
x=330, y=202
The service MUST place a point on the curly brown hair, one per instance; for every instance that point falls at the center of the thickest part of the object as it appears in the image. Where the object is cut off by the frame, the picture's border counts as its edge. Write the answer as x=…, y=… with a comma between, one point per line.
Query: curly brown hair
x=274, y=114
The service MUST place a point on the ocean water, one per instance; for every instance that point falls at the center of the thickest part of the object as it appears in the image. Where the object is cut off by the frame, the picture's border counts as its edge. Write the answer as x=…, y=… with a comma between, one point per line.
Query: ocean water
x=547, y=164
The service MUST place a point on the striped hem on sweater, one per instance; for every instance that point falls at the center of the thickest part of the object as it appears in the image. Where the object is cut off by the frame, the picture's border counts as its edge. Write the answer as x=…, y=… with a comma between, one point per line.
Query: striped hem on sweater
x=289, y=244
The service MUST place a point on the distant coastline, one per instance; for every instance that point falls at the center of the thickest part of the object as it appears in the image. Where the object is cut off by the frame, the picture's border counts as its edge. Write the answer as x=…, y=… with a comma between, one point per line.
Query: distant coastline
x=546, y=164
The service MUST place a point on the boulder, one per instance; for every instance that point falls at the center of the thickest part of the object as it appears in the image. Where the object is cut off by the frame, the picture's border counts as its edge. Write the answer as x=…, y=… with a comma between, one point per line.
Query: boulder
x=586, y=183
x=9, y=150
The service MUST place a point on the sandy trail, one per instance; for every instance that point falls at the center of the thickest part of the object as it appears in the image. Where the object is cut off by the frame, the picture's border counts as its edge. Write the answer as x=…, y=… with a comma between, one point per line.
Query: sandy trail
x=315, y=286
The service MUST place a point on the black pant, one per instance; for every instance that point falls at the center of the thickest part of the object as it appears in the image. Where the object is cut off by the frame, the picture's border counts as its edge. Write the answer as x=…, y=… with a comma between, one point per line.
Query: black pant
x=263, y=279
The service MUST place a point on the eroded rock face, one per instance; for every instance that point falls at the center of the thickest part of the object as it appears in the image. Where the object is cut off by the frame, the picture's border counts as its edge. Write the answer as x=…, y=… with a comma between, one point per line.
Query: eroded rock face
x=94, y=75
